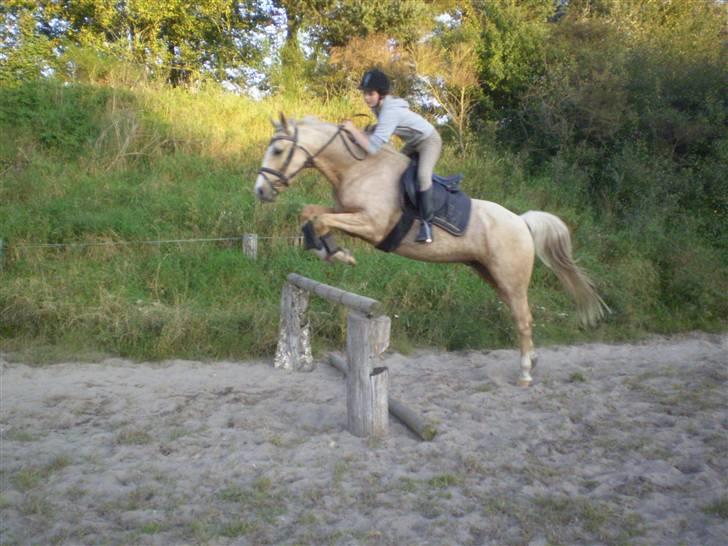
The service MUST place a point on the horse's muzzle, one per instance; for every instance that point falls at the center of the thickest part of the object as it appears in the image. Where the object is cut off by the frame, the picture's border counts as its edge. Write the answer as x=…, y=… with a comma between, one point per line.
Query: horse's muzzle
x=264, y=191
x=263, y=196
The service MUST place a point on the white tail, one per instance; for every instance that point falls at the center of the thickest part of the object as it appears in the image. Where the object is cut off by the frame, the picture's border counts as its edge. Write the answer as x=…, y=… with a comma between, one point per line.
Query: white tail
x=553, y=247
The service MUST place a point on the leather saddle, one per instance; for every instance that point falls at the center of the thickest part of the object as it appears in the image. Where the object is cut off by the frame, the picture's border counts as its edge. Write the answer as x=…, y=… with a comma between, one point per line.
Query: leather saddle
x=450, y=203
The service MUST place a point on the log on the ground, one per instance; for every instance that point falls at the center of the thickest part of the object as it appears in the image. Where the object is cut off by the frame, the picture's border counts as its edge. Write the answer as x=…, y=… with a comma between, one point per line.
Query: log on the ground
x=409, y=417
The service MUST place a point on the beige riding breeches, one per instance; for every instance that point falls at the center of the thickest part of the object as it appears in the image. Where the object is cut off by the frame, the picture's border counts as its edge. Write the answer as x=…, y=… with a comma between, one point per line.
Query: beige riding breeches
x=429, y=150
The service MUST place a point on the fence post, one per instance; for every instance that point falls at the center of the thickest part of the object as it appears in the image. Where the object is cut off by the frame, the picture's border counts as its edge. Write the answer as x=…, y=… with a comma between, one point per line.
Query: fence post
x=367, y=398
x=417, y=424
x=294, y=339
x=250, y=245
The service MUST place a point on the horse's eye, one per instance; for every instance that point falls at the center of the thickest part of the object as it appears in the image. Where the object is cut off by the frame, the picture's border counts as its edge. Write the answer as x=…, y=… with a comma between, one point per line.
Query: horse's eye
x=276, y=151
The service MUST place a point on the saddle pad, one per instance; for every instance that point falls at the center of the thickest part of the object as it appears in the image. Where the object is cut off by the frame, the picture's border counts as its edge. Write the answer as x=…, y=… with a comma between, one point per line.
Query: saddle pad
x=451, y=205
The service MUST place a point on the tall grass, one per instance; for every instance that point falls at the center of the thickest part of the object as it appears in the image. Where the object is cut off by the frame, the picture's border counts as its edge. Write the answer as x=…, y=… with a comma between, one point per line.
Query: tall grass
x=91, y=164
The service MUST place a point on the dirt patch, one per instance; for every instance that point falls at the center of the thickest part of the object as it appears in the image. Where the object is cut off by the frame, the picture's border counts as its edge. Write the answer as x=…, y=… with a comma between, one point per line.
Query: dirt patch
x=614, y=444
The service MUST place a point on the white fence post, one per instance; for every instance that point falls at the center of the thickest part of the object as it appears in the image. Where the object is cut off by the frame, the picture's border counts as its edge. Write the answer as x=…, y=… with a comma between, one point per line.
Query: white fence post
x=250, y=245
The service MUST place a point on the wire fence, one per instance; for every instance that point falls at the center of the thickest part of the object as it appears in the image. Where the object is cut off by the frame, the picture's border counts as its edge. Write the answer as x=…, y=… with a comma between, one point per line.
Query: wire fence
x=248, y=241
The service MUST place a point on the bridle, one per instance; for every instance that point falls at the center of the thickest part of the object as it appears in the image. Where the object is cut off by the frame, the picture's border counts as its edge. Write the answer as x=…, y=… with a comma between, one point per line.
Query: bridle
x=284, y=180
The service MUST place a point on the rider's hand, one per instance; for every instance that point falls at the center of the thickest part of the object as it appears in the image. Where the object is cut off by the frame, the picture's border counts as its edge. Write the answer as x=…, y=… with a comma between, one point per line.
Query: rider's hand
x=355, y=134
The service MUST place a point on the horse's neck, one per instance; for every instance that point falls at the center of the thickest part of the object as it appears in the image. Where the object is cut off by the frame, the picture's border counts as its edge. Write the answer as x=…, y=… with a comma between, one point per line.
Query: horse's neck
x=344, y=163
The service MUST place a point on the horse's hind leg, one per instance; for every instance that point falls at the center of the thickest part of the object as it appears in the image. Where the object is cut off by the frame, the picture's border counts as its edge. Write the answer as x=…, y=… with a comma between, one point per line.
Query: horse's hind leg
x=515, y=295
x=524, y=324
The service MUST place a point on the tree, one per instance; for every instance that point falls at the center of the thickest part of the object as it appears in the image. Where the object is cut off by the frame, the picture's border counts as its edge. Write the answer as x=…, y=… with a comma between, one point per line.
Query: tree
x=330, y=27
x=24, y=53
x=178, y=39
x=450, y=77
x=512, y=34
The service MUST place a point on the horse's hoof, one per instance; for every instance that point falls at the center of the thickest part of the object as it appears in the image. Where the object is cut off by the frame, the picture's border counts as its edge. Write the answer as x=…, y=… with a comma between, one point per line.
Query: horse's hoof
x=524, y=382
x=343, y=256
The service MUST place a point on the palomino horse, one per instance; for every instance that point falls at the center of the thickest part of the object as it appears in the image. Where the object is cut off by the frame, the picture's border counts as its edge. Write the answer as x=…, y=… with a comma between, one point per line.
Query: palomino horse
x=498, y=244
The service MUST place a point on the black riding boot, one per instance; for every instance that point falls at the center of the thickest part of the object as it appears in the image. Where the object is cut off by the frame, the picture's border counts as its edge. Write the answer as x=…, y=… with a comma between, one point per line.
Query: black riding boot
x=424, y=202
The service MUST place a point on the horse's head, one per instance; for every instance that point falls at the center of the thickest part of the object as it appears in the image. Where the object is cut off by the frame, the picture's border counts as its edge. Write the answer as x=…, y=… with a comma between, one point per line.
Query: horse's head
x=284, y=158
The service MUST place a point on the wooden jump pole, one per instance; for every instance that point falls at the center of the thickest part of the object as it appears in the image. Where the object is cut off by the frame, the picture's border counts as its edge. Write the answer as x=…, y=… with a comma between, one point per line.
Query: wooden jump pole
x=409, y=417
x=355, y=302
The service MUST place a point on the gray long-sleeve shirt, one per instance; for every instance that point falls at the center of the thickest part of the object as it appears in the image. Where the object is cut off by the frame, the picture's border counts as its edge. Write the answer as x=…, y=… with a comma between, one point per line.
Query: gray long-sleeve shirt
x=395, y=118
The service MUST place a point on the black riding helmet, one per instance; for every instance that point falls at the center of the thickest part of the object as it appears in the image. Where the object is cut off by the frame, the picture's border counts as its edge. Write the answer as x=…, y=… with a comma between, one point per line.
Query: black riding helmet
x=375, y=80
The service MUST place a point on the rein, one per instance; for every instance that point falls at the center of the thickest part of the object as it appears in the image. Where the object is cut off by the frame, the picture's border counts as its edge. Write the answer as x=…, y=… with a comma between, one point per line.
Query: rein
x=283, y=179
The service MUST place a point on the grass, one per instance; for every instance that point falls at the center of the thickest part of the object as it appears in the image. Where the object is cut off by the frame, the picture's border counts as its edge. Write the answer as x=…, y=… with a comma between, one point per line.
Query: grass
x=151, y=528
x=106, y=169
x=5, y=502
x=30, y=477
x=132, y=437
x=567, y=520
x=718, y=508
x=577, y=377
x=16, y=435
x=37, y=505
x=443, y=481
x=261, y=499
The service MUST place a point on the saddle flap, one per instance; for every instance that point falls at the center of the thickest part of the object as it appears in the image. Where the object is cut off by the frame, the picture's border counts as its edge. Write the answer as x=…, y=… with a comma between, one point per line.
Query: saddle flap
x=450, y=203
x=451, y=183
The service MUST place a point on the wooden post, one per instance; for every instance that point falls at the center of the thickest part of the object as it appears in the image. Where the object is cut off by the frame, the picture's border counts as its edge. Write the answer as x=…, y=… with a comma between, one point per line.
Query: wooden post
x=366, y=389
x=417, y=424
x=379, y=379
x=250, y=245
x=294, y=339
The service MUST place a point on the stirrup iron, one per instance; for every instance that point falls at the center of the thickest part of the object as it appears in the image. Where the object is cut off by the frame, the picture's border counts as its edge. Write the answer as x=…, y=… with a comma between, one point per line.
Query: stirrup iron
x=425, y=233
x=424, y=203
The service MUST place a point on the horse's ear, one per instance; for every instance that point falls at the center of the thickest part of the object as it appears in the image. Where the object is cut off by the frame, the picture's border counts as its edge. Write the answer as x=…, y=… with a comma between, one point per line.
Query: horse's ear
x=284, y=123
x=275, y=124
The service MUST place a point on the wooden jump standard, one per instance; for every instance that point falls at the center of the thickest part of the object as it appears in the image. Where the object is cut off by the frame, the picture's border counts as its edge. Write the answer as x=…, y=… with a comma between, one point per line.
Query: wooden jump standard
x=416, y=424
x=367, y=336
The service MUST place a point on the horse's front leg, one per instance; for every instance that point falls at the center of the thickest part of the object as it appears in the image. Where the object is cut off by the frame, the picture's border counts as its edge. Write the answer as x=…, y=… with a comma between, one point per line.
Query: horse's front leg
x=357, y=224
x=310, y=212
x=323, y=245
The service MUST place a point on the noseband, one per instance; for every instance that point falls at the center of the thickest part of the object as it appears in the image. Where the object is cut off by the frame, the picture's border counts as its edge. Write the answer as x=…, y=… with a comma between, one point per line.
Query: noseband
x=283, y=179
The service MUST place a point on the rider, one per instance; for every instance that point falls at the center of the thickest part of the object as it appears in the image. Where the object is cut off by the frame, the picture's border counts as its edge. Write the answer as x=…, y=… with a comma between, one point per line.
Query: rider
x=395, y=117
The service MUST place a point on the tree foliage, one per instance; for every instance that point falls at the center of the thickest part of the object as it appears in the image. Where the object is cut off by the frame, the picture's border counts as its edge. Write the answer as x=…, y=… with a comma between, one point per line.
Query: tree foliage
x=24, y=52
x=178, y=39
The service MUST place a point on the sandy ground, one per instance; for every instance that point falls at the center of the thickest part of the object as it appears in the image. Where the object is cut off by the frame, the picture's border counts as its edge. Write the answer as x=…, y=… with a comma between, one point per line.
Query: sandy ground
x=614, y=444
